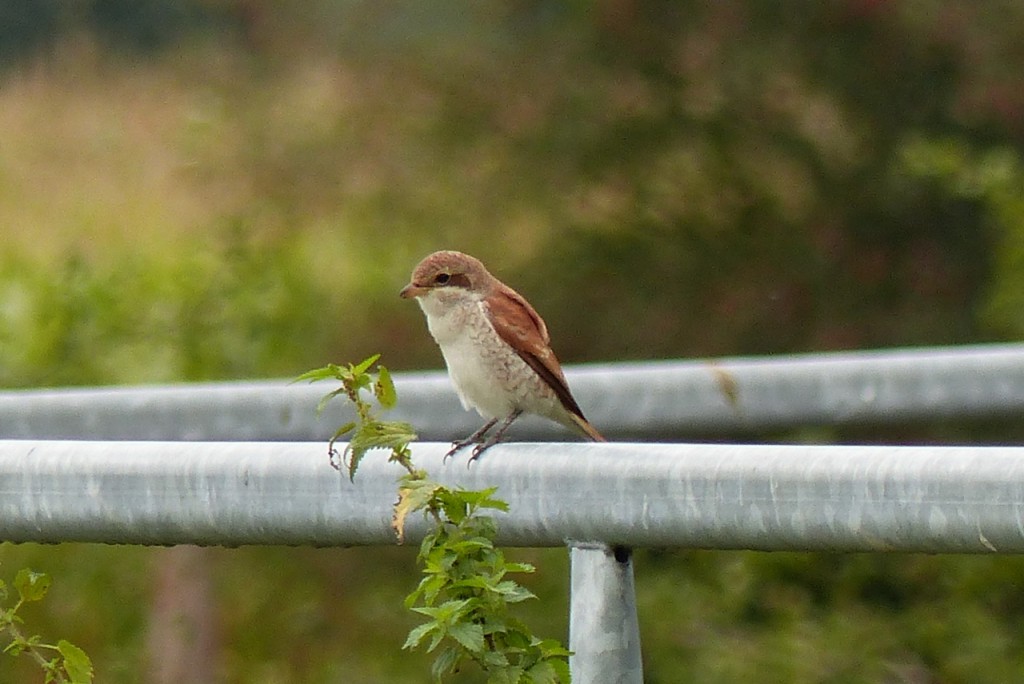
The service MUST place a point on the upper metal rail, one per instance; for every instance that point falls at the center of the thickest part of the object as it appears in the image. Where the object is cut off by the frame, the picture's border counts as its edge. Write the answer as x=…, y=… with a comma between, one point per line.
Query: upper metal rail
x=650, y=400
x=843, y=498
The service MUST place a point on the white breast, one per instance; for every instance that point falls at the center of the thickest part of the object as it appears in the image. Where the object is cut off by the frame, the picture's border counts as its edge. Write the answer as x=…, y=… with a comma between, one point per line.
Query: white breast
x=488, y=375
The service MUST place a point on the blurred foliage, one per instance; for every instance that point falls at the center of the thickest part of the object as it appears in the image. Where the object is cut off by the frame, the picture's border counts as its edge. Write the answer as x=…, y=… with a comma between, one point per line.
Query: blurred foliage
x=238, y=188
x=993, y=178
x=61, y=663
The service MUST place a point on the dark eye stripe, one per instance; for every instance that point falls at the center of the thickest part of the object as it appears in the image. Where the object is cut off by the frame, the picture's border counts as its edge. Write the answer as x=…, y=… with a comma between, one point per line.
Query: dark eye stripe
x=458, y=280
x=451, y=280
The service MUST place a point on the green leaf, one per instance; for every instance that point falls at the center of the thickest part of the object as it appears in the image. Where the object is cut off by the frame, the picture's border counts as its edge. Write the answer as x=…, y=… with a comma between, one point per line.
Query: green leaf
x=495, y=661
x=324, y=400
x=15, y=648
x=411, y=498
x=543, y=672
x=483, y=498
x=346, y=428
x=517, y=636
x=506, y=675
x=469, y=635
x=474, y=582
x=462, y=591
x=382, y=434
x=76, y=662
x=384, y=388
x=448, y=612
x=428, y=590
x=513, y=592
x=446, y=663
x=365, y=364
x=328, y=372
x=417, y=634
x=474, y=497
x=496, y=504
x=376, y=435
x=468, y=547
x=31, y=586
x=561, y=668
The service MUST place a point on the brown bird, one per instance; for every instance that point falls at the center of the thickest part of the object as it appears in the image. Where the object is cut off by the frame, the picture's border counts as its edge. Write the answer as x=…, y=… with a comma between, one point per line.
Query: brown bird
x=496, y=348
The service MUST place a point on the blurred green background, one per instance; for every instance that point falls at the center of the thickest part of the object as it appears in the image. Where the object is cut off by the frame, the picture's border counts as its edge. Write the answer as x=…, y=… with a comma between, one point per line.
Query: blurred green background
x=214, y=189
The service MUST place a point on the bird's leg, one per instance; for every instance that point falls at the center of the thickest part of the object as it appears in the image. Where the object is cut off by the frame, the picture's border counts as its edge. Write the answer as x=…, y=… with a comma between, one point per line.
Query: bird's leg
x=496, y=437
x=472, y=439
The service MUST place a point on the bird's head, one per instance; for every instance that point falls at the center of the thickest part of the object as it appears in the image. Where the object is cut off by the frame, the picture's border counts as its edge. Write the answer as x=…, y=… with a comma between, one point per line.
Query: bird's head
x=448, y=274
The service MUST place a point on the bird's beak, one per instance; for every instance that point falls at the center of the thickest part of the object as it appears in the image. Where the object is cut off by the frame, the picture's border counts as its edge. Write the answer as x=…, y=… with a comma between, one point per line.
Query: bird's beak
x=410, y=290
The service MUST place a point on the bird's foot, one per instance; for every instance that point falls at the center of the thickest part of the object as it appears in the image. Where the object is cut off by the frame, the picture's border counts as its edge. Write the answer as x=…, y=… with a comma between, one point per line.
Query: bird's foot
x=456, y=445
x=486, y=444
x=478, y=439
x=475, y=438
x=479, y=449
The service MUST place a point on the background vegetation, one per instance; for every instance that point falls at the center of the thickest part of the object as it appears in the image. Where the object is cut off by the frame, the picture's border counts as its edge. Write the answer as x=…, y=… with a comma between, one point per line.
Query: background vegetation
x=237, y=188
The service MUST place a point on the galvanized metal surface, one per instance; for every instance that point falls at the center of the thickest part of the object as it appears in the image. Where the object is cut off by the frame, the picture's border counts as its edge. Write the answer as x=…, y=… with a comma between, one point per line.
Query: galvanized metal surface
x=939, y=499
x=665, y=400
x=604, y=633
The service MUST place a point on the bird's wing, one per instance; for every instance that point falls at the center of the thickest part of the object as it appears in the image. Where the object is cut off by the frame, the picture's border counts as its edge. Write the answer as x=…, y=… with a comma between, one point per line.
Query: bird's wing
x=523, y=329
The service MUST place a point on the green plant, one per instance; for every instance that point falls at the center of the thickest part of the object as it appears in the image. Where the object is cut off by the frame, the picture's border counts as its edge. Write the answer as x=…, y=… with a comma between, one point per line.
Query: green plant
x=60, y=662
x=465, y=592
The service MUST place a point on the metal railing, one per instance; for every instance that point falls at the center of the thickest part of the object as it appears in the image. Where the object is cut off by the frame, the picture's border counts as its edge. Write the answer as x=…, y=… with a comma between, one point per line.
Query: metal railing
x=856, y=498
x=649, y=400
x=593, y=498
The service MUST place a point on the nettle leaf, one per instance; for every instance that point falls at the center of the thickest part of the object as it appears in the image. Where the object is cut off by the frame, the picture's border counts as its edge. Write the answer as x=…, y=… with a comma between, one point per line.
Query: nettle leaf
x=446, y=662
x=364, y=365
x=383, y=434
x=452, y=504
x=447, y=612
x=506, y=675
x=343, y=430
x=495, y=660
x=513, y=592
x=417, y=634
x=560, y=665
x=495, y=625
x=76, y=662
x=483, y=498
x=31, y=586
x=469, y=635
x=384, y=388
x=475, y=582
x=496, y=504
x=15, y=648
x=374, y=435
x=324, y=400
x=467, y=547
x=428, y=590
x=475, y=497
x=518, y=636
x=552, y=648
x=412, y=497
x=435, y=641
x=543, y=672
x=328, y=372
x=462, y=593
x=520, y=567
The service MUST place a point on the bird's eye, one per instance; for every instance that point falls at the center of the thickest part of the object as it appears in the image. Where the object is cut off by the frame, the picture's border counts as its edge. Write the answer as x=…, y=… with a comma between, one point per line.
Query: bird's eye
x=442, y=278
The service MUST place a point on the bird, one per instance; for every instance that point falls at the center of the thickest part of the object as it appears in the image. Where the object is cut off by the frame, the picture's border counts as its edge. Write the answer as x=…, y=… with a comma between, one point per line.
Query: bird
x=496, y=348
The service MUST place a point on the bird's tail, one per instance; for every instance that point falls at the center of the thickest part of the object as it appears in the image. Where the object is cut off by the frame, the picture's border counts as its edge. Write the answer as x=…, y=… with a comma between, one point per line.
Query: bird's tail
x=587, y=430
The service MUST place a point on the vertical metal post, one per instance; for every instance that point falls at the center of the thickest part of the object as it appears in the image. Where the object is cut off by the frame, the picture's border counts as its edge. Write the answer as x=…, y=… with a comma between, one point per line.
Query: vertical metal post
x=604, y=634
